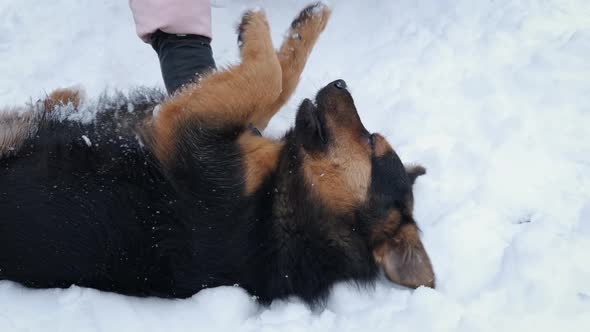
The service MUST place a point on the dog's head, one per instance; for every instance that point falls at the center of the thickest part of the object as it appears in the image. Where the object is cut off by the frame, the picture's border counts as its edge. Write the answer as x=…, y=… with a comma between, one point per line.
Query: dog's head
x=354, y=172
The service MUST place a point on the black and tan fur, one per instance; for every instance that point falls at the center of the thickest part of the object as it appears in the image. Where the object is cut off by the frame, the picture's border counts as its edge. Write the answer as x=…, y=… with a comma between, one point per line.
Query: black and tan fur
x=192, y=196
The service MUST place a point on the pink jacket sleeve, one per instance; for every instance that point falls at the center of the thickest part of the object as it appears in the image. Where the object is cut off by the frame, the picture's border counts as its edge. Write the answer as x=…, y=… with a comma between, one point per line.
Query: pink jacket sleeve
x=171, y=16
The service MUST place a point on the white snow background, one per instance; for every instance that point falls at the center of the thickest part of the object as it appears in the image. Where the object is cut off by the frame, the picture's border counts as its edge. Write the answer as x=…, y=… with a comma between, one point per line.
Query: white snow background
x=493, y=97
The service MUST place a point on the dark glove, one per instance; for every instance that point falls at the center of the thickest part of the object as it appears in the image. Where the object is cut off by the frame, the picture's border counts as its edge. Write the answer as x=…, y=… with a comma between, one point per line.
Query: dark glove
x=183, y=58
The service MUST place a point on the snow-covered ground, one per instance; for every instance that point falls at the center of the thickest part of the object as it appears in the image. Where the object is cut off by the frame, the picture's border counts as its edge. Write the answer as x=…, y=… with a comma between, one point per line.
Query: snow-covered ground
x=493, y=97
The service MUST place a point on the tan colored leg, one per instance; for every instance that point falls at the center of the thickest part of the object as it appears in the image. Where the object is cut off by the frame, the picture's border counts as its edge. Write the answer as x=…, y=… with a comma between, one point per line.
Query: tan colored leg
x=228, y=97
x=299, y=41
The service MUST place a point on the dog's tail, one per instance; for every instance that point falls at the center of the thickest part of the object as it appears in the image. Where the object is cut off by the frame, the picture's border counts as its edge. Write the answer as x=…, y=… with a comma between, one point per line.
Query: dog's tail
x=63, y=97
x=19, y=123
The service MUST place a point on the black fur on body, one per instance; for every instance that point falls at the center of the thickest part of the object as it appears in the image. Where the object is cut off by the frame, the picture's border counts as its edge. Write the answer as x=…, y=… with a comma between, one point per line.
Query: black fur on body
x=107, y=215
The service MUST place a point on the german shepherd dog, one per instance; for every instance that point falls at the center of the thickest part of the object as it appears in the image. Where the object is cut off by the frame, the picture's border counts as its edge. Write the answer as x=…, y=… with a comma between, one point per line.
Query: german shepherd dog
x=190, y=195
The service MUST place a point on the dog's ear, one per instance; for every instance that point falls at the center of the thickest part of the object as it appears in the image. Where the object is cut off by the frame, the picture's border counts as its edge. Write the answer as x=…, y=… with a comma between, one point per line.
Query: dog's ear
x=404, y=259
x=415, y=171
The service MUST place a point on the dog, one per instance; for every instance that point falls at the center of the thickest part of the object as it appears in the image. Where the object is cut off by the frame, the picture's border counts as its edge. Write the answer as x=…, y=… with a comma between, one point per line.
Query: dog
x=164, y=196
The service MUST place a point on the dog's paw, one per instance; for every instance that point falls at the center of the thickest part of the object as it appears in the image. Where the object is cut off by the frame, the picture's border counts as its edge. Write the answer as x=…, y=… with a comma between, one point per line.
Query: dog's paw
x=311, y=21
x=252, y=22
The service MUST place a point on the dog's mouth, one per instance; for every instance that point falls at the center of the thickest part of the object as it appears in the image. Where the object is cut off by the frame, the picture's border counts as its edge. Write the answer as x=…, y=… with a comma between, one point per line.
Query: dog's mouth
x=332, y=112
x=319, y=117
x=310, y=126
x=325, y=100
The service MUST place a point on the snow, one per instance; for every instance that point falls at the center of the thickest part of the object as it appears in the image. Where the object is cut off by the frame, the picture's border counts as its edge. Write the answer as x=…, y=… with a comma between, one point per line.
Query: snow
x=87, y=140
x=492, y=97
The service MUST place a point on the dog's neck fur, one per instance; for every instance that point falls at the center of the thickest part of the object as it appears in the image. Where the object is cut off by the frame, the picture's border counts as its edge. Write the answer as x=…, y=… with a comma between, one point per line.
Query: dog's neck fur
x=307, y=252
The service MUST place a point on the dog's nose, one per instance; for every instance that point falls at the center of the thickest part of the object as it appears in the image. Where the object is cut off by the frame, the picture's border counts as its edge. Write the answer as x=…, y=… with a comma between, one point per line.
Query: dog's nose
x=340, y=84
